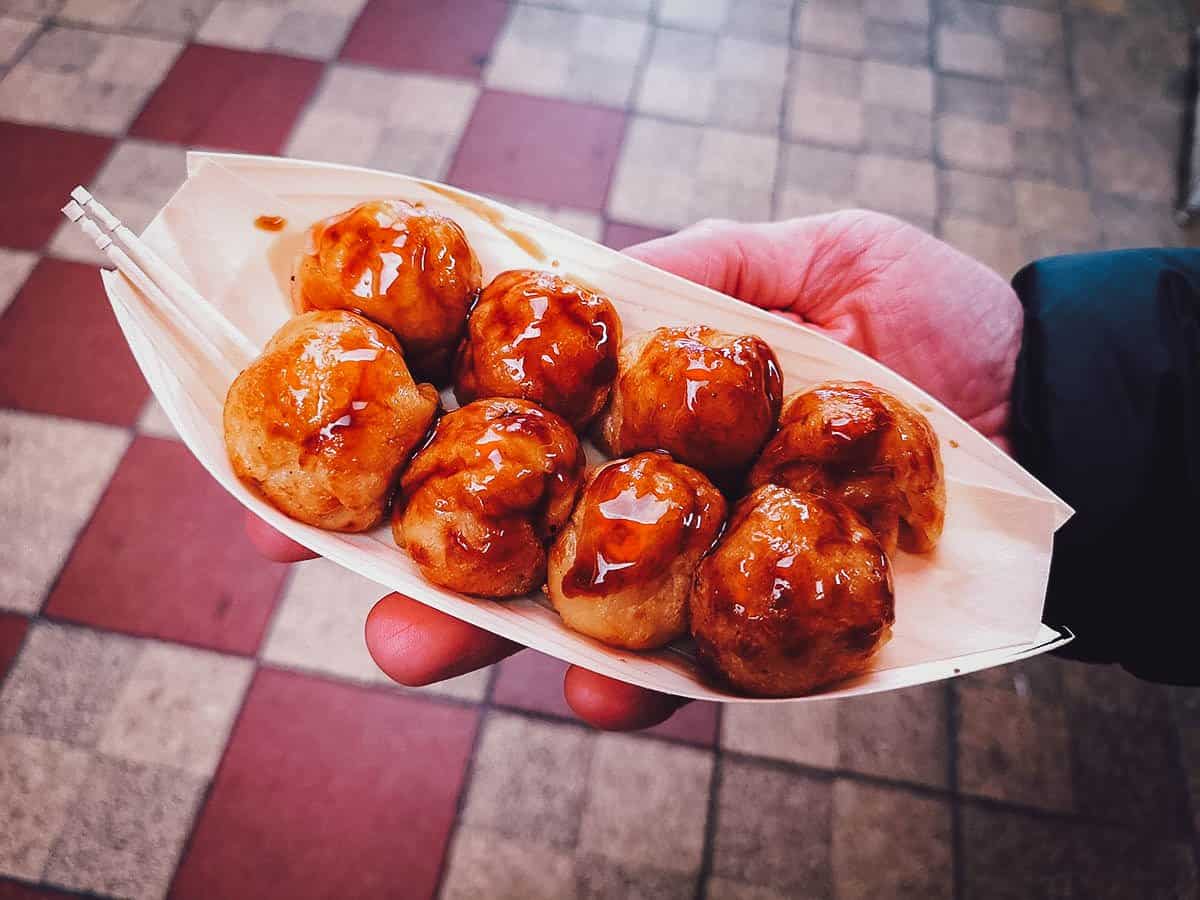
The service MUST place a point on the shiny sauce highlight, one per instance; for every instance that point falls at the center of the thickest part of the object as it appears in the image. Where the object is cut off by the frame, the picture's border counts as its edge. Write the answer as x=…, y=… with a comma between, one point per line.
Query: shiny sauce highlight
x=639, y=516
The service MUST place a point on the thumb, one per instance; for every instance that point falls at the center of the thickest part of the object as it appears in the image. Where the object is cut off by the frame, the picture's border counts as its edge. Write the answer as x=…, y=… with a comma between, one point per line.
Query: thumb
x=799, y=267
x=764, y=264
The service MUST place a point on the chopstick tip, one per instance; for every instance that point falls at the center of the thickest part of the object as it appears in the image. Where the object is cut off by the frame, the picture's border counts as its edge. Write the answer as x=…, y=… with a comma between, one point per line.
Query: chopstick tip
x=81, y=194
x=73, y=211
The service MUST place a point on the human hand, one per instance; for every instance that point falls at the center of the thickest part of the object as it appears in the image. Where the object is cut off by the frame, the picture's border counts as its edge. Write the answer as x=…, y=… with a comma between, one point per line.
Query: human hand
x=941, y=319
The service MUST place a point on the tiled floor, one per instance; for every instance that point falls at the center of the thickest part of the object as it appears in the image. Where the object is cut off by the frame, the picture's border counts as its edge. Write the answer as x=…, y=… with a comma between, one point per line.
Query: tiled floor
x=179, y=717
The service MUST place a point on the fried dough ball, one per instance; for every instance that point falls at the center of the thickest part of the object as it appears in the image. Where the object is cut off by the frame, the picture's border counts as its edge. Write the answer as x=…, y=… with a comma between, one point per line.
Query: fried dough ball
x=541, y=338
x=622, y=569
x=403, y=266
x=709, y=398
x=324, y=419
x=483, y=498
x=861, y=445
x=795, y=596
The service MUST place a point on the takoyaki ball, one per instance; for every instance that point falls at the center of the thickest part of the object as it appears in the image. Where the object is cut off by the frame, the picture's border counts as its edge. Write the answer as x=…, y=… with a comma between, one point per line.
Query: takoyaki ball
x=865, y=447
x=403, y=266
x=622, y=569
x=480, y=502
x=324, y=419
x=709, y=398
x=541, y=338
x=795, y=596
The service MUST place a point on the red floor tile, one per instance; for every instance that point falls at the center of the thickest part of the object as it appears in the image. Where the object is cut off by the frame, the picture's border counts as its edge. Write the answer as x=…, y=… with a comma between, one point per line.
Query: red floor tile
x=229, y=99
x=164, y=556
x=534, y=681
x=40, y=167
x=449, y=37
x=63, y=352
x=15, y=890
x=330, y=790
x=547, y=151
x=618, y=235
x=12, y=632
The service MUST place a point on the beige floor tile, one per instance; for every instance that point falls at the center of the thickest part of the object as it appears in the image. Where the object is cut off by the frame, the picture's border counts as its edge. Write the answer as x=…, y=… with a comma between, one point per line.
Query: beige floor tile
x=109, y=13
x=1030, y=26
x=241, y=23
x=37, y=10
x=1040, y=110
x=774, y=829
x=404, y=122
x=647, y=803
x=728, y=889
x=598, y=878
x=793, y=202
x=998, y=247
x=1047, y=207
x=49, y=489
x=904, y=87
x=975, y=146
x=65, y=683
x=801, y=733
x=568, y=55
x=901, y=735
x=670, y=175
x=14, y=33
x=487, y=863
x=318, y=627
x=910, y=12
x=1014, y=749
x=889, y=842
x=126, y=830
x=972, y=54
x=85, y=80
x=725, y=81
x=905, y=188
x=699, y=15
x=38, y=783
x=983, y=198
x=530, y=780
x=824, y=119
x=319, y=623
x=311, y=33
x=813, y=72
x=154, y=422
x=833, y=25
x=179, y=18
x=177, y=708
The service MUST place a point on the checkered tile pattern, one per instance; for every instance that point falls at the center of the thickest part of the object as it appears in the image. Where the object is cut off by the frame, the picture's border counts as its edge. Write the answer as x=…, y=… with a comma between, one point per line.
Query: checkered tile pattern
x=179, y=717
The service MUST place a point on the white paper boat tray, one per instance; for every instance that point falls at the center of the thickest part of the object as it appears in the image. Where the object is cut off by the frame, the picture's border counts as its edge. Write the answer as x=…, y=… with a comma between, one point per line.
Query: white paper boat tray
x=975, y=602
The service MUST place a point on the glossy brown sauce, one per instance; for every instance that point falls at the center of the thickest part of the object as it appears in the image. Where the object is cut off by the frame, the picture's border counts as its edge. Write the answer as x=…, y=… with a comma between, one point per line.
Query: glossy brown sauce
x=492, y=216
x=710, y=398
x=543, y=338
x=494, y=450
x=640, y=515
x=270, y=223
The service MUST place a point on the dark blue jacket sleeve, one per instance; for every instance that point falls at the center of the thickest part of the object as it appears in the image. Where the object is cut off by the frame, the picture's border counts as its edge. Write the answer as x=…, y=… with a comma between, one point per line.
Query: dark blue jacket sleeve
x=1107, y=413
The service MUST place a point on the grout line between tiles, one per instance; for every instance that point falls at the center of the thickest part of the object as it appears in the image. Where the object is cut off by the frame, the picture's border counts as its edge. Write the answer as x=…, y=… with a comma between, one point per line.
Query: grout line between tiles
x=485, y=707
x=194, y=825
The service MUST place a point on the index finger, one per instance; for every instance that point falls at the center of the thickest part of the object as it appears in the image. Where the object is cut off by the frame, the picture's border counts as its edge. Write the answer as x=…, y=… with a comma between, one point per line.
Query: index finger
x=273, y=544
